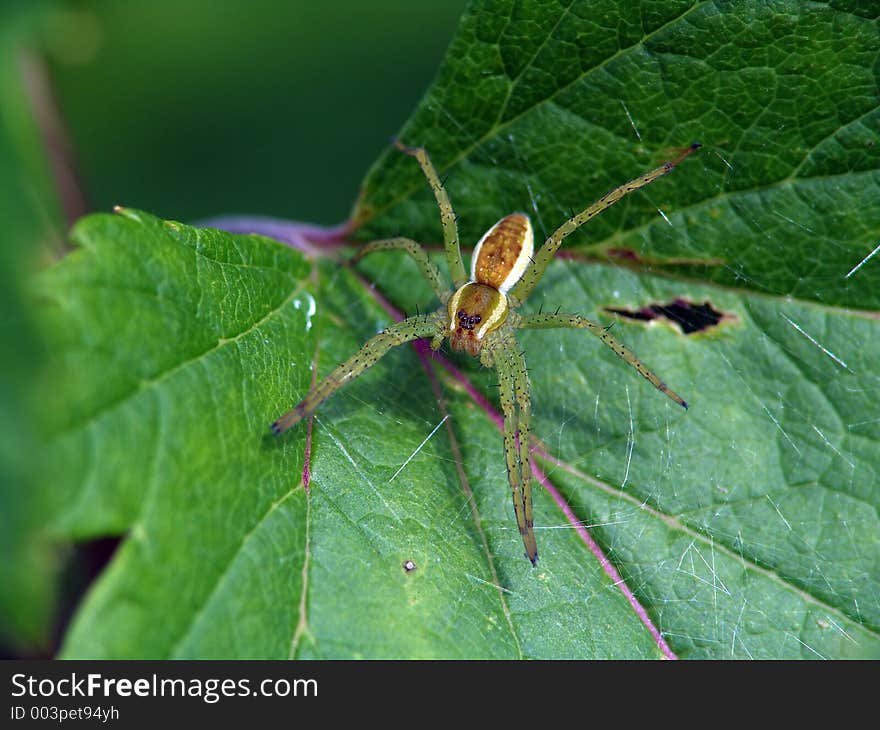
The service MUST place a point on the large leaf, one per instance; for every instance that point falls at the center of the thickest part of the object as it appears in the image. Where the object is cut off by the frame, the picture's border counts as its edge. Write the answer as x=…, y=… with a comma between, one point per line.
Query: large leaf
x=165, y=438
x=746, y=527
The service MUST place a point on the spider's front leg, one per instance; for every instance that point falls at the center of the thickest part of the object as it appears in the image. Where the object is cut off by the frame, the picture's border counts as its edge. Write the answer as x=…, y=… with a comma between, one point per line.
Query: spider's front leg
x=407, y=330
x=516, y=406
x=574, y=321
x=447, y=214
x=419, y=255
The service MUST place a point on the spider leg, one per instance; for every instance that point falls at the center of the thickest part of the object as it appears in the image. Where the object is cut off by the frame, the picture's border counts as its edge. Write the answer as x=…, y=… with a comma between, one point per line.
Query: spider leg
x=409, y=329
x=546, y=321
x=429, y=270
x=447, y=214
x=523, y=400
x=514, y=393
x=541, y=259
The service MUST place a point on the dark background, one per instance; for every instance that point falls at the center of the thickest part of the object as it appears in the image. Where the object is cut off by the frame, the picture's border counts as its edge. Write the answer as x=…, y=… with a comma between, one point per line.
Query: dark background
x=193, y=108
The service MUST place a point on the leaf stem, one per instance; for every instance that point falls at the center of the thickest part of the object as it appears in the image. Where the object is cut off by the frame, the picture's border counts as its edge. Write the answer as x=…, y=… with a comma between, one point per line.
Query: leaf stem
x=311, y=239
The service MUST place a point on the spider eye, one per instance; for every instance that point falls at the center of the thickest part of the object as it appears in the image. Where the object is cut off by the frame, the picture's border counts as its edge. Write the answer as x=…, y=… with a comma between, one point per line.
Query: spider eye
x=477, y=318
x=461, y=314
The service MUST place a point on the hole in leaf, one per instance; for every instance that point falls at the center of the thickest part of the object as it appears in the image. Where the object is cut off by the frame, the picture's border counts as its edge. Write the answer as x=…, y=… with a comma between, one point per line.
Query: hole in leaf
x=689, y=317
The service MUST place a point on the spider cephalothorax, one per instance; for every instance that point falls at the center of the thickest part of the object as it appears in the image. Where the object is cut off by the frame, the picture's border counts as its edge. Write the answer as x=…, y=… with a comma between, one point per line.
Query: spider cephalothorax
x=474, y=311
x=478, y=318
x=480, y=306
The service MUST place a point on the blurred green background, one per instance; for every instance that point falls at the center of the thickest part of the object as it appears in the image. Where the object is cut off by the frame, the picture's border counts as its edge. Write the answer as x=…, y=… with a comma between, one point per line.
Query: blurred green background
x=187, y=109
x=190, y=108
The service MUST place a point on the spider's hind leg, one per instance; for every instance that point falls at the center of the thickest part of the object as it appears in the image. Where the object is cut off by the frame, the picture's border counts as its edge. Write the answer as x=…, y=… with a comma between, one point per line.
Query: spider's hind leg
x=515, y=403
x=545, y=254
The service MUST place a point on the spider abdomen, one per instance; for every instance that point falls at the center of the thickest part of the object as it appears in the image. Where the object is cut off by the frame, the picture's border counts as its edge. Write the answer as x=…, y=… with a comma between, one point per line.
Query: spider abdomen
x=502, y=254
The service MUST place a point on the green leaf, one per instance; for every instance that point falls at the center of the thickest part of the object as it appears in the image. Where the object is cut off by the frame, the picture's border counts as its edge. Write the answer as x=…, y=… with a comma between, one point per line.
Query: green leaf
x=746, y=527
x=165, y=438
x=544, y=109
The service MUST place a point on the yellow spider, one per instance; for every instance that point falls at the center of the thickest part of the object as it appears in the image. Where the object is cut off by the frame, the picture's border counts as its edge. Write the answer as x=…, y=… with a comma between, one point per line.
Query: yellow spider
x=479, y=317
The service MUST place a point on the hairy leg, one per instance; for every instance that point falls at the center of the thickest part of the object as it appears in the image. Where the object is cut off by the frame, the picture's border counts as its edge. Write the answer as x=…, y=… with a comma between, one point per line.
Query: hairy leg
x=545, y=255
x=516, y=440
x=429, y=270
x=574, y=321
x=409, y=329
x=447, y=214
x=523, y=400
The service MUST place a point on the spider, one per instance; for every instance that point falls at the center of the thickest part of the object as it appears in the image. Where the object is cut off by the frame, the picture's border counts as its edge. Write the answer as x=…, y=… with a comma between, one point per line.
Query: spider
x=480, y=318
